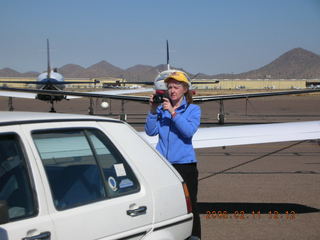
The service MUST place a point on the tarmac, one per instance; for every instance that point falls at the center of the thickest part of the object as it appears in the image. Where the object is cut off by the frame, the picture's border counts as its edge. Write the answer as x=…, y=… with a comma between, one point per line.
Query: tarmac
x=262, y=191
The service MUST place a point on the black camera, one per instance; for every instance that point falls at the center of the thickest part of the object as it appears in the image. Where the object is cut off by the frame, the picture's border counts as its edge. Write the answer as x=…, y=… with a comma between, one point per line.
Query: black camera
x=158, y=97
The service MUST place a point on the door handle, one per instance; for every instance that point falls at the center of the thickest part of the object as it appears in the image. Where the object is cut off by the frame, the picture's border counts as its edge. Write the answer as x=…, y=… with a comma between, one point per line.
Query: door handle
x=41, y=236
x=136, y=212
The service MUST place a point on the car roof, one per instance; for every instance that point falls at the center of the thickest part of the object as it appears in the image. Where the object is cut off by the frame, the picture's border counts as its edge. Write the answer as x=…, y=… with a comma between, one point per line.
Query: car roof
x=10, y=118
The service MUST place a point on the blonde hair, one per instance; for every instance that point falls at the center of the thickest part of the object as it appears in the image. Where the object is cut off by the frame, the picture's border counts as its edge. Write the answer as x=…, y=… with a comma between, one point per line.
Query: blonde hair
x=188, y=94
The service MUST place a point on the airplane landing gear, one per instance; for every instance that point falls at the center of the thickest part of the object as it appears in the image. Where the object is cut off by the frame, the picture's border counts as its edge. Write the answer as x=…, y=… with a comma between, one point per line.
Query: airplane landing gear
x=10, y=104
x=220, y=118
x=221, y=113
x=52, y=110
x=123, y=116
x=90, y=109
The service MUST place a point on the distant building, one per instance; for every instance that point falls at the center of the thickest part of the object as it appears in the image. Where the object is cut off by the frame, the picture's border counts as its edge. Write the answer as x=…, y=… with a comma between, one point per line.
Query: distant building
x=266, y=83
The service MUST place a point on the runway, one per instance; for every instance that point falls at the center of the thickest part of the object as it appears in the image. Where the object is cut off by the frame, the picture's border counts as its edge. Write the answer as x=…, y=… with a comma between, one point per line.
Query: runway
x=248, y=193
x=263, y=191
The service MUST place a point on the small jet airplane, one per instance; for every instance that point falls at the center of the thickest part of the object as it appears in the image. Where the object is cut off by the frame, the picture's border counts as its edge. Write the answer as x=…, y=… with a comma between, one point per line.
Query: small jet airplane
x=53, y=90
x=49, y=80
x=53, y=81
x=51, y=85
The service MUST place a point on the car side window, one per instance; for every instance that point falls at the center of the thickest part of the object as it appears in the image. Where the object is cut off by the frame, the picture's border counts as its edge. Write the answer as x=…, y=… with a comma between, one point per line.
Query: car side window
x=83, y=166
x=15, y=187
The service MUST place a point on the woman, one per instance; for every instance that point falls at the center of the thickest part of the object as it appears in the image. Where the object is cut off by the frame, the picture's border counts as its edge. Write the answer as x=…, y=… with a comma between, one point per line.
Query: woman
x=175, y=121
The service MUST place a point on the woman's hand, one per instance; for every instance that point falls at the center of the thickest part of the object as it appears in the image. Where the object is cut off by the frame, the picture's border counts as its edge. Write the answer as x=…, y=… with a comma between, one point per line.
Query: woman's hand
x=167, y=105
x=153, y=106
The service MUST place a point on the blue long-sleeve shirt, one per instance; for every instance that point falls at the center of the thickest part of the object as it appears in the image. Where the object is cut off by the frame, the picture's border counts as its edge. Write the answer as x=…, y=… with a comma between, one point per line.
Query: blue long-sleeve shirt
x=175, y=134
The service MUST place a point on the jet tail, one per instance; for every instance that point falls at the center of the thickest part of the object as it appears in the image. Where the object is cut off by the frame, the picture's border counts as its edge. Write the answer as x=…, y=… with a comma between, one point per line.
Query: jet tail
x=48, y=60
x=168, y=64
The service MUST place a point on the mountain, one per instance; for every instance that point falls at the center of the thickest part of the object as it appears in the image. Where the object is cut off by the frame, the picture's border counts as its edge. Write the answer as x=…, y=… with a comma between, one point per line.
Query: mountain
x=295, y=64
x=31, y=74
x=104, y=69
x=8, y=72
x=73, y=71
x=141, y=73
x=100, y=69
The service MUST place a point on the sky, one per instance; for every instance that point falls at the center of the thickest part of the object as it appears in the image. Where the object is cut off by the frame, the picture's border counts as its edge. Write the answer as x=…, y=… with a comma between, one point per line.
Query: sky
x=207, y=36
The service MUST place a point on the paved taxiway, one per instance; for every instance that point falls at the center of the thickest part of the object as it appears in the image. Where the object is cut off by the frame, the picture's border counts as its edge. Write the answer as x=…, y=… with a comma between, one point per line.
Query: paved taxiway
x=265, y=191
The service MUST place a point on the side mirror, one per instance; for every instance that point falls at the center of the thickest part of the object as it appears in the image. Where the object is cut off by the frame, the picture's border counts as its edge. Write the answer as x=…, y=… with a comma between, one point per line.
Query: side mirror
x=4, y=216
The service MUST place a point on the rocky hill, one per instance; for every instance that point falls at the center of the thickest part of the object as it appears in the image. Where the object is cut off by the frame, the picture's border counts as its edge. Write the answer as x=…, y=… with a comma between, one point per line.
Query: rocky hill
x=104, y=68
x=8, y=72
x=294, y=64
x=73, y=71
x=297, y=63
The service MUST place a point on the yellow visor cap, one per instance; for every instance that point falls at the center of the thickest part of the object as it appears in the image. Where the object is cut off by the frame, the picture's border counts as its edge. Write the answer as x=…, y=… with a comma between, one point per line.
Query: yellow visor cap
x=178, y=76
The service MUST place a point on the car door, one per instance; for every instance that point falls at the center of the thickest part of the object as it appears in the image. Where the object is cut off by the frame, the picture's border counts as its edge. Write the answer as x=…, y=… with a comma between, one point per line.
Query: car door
x=95, y=192
x=24, y=212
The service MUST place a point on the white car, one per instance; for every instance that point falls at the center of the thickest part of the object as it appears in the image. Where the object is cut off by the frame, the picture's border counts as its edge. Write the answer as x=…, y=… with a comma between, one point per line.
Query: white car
x=68, y=177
